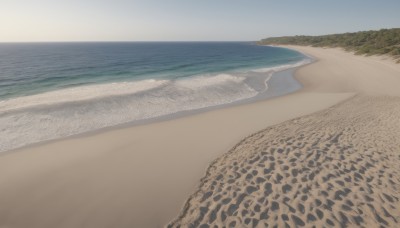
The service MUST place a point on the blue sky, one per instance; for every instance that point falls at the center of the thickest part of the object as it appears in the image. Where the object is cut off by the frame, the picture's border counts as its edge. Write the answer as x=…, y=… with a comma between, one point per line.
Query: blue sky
x=188, y=20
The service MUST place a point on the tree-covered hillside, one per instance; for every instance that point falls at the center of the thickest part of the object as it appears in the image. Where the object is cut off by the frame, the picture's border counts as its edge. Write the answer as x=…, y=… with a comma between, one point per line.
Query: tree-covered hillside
x=384, y=41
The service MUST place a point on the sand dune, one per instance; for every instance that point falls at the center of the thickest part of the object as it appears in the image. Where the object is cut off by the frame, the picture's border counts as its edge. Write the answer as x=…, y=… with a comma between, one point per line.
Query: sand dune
x=338, y=167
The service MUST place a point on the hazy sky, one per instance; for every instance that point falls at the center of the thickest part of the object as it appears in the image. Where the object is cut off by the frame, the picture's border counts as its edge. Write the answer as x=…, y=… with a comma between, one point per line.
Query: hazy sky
x=194, y=20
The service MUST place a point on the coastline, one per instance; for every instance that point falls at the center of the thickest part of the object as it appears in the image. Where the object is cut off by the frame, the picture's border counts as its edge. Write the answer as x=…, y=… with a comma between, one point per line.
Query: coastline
x=281, y=79
x=124, y=175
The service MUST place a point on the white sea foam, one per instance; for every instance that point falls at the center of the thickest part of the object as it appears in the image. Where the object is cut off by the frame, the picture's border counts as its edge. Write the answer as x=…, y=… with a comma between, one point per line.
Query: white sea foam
x=57, y=114
x=51, y=115
x=283, y=67
x=80, y=93
x=204, y=81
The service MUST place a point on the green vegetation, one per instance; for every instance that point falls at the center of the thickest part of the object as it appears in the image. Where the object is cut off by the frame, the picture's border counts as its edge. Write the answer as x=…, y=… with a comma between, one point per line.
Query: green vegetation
x=384, y=41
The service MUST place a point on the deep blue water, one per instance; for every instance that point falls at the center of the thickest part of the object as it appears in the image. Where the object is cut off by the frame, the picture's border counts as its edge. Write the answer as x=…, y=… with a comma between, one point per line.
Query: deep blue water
x=54, y=90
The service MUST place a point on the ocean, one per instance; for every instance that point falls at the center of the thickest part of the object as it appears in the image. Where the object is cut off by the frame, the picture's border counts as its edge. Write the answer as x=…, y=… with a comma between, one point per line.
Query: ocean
x=54, y=90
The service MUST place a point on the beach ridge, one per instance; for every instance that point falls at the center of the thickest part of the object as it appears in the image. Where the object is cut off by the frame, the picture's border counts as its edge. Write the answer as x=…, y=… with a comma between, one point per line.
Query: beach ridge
x=214, y=164
x=305, y=171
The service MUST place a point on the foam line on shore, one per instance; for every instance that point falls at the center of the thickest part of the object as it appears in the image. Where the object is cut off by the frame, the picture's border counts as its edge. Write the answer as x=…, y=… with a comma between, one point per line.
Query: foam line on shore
x=73, y=111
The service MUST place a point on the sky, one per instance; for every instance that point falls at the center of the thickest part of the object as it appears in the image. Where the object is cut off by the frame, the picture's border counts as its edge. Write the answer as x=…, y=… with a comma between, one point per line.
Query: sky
x=188, y=20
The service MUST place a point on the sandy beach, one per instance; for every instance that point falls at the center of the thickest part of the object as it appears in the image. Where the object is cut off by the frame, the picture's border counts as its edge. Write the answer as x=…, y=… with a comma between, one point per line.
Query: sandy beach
x=335, y=168
x=327, y=154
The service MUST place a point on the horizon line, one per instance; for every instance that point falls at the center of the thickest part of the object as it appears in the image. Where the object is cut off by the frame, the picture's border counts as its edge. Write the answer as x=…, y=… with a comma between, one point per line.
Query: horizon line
x=127, y=41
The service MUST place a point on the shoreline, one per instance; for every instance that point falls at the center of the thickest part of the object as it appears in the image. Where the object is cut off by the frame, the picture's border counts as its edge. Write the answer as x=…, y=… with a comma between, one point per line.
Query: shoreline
x=294, y=85
x=136, y=170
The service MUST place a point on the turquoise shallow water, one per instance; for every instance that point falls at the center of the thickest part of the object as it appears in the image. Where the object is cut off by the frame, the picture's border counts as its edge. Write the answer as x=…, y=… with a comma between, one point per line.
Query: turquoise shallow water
x=54, y=90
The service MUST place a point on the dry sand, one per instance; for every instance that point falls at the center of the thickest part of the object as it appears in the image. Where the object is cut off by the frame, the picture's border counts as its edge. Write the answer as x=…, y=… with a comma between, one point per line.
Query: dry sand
x=338, y=167
x=141, y=176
